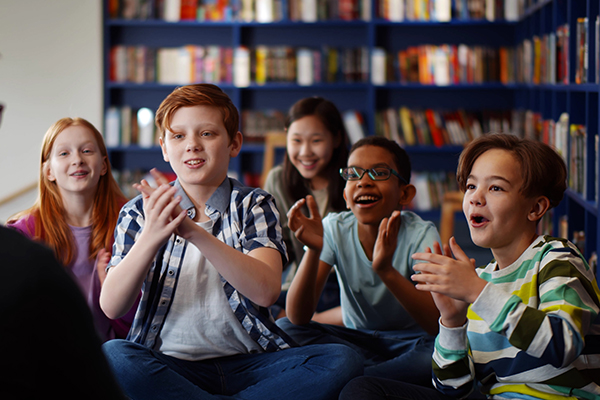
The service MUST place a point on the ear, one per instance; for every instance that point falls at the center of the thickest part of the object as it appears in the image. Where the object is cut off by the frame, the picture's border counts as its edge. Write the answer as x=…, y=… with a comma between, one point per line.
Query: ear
x=539, y=207
x=104, y=166
x=407, y=194
x=236, y=144
x=346, y=199
x=163, y=147
x=48, y=172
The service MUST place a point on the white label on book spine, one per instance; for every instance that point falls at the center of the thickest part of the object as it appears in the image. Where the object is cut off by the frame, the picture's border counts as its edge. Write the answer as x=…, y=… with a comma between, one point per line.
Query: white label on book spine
x=378, y=66
x=305, y=67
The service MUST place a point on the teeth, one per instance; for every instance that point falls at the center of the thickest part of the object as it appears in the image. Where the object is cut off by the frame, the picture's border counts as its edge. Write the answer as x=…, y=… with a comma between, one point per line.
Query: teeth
x=367, y=198
x=193, y=162
x=307, y=163
x=80, y=174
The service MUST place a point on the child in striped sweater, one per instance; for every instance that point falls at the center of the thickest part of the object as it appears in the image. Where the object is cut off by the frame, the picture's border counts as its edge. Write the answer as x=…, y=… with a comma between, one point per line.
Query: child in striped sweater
x=525, y=326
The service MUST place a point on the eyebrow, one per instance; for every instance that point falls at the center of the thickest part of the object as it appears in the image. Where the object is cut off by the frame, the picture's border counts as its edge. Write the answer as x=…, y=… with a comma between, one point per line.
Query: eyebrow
x=491, y=178
x=372, y=166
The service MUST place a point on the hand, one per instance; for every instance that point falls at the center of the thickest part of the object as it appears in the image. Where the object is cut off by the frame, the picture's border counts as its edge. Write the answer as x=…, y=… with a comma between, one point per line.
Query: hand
x=308, y=230
x=159, y=209
x=454, y=284
x=102, y=260
x=387, y=240
x=186, y=226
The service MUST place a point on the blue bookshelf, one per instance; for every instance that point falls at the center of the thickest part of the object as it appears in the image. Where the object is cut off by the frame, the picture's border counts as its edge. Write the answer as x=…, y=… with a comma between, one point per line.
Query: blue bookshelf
x=580, y=101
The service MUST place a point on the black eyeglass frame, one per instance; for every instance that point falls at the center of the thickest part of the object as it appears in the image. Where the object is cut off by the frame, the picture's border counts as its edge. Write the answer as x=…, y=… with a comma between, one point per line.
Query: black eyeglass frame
x=371, y=173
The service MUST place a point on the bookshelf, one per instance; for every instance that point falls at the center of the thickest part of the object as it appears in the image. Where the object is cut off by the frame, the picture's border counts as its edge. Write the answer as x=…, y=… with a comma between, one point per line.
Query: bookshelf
x=502, y=84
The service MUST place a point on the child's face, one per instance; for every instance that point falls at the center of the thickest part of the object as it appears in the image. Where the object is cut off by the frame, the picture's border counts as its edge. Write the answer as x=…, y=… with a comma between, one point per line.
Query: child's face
x=75, y=162
x=197, y=146
x=310, y=147
x=371, y=201
x=497, y=213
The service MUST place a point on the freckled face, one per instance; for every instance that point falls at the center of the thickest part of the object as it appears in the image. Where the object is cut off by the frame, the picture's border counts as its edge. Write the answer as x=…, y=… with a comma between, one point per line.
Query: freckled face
x=198, y=147
x=310, y=147
x=75, y=162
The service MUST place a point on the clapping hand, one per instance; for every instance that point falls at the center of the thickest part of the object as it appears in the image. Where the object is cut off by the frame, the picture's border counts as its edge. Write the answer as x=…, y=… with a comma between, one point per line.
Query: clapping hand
x=308, y=230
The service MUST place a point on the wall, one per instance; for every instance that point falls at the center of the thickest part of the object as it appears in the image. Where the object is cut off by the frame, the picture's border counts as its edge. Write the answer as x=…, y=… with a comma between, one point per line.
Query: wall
x=50, y=67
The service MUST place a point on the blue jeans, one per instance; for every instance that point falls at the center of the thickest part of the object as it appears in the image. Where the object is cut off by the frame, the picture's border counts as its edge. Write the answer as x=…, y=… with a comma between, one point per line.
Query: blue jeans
x=372, y=388
x=311, y=372
x=399, y=355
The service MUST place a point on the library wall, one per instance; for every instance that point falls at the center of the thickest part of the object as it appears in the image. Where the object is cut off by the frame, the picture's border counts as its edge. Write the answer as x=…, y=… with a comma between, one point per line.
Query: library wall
x=50, y=67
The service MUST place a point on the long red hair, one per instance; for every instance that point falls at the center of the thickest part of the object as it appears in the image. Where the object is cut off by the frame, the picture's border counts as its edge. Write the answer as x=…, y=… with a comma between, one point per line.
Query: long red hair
x=48, y=210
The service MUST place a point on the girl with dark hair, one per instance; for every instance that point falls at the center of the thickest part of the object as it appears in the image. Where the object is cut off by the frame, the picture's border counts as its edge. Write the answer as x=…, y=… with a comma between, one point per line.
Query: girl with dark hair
x=317, y=147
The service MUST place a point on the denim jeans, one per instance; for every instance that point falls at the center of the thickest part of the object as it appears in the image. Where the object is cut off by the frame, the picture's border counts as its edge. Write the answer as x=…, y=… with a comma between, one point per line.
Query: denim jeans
x=372, y=388
x=311, y=372
x=399, y=355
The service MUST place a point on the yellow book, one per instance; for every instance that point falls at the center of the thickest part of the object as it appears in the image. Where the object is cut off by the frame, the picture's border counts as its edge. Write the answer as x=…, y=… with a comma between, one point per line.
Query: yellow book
x=407, y=126
x=261, y=64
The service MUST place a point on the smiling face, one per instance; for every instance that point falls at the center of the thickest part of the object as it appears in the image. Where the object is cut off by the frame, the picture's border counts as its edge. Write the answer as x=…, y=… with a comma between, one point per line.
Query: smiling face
x=371, y=201
x=310, y=147
x=75, y=162
x=500, y=217
x=198, y=147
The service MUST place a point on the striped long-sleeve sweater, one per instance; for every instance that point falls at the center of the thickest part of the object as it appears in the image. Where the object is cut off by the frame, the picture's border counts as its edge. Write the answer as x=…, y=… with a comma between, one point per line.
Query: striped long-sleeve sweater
x=533, y=332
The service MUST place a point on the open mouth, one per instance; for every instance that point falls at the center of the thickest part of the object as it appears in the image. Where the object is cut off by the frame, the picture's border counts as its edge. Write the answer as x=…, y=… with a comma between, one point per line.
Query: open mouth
x=79, y=174
x=478, y=219
x=366, y=199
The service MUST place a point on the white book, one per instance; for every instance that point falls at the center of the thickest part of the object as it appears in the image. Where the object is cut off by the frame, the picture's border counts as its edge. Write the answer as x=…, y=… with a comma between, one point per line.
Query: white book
x=247, y=10
x=353, y=126
x=490, y=10
x=304, y=67
x=241, y=67
x=441, y=67
x=145, y=120
x=112, y=127
x=378, y=66
x=309, y=10
x=443, y=10
x=396, y=10
x=167, y=66
x=172, y=11
x=184, y=71
x=511, y=10
x=422, y=199
x=264, y=11
x=365, y=13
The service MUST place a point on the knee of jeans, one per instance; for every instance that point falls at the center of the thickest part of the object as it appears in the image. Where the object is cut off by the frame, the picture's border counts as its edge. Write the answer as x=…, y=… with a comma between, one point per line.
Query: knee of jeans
x=345, y=358
x=116, y=348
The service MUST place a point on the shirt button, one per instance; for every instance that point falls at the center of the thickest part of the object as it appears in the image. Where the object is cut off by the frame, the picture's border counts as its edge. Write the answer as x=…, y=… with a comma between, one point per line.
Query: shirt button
x=189, y=212
x=171, y=272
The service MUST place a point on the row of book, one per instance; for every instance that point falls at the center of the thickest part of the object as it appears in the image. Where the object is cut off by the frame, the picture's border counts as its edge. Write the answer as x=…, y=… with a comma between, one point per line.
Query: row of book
x=442, y=65
x=423, y=127
x=263, y=11
x=242, y=66
x=446, y=10
x=126, y=125
x=431, y=186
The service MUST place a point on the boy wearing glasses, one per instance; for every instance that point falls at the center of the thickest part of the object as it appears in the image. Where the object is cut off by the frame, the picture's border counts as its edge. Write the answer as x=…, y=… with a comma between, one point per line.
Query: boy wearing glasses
x=386, y=320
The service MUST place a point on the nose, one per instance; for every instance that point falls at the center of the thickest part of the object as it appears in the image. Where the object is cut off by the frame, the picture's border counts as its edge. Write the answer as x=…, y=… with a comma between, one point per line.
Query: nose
x=305, y=149
x=365, y=181
x=193, y=144
x=77, y=159
x=476, y=197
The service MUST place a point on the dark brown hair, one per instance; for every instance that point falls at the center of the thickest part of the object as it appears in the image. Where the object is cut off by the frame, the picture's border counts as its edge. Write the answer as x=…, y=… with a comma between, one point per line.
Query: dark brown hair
x=401, y=158
x=295, y=184
x=543, y=170
x=202, y=94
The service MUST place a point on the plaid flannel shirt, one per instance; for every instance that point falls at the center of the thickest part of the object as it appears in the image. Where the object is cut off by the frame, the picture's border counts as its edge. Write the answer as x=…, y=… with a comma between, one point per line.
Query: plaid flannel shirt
x=245, y=219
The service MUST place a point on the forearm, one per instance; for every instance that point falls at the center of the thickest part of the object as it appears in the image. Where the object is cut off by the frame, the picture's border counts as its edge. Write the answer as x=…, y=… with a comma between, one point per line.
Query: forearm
x=417, y=303
x=256, y=275
x=124, y=281
x=303, y=294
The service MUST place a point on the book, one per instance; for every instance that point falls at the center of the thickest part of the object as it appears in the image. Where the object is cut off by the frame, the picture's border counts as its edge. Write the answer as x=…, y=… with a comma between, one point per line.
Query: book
x=354, y=125
x=241, y=67
x=378, y=64
x=112, y=127
x=581, y=70
x=145, y=123
x=305, y=71
x=172, y=10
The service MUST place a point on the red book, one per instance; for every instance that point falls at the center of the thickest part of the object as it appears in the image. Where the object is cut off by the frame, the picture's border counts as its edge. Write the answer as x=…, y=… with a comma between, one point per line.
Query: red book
x=436, y=133
x=189, y=9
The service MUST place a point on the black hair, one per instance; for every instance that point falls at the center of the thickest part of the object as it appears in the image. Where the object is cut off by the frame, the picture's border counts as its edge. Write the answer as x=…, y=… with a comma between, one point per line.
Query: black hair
x=400, y=155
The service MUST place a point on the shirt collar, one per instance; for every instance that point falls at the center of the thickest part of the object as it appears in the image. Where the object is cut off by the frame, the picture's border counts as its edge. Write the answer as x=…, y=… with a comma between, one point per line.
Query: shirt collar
x=218, y=201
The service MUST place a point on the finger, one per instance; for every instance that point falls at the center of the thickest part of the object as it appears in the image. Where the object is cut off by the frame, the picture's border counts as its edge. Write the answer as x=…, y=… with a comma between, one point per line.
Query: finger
x=430, y=268
x=158, y=176
x=436, y=248
x=177, y=220
x=312, y=207
x=161, y=197
x=167, y=211
x=459, y=254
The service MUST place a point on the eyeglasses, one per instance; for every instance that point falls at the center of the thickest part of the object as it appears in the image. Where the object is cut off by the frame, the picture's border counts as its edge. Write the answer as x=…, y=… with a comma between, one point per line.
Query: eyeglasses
x=376, y=174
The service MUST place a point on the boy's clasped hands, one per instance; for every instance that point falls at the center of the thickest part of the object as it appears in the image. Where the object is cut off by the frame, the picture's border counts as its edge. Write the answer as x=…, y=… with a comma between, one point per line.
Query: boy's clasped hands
x=453, y=282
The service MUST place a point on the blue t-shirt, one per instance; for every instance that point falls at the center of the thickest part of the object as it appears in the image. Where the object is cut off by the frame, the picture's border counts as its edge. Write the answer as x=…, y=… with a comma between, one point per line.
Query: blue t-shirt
x=366, y=301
